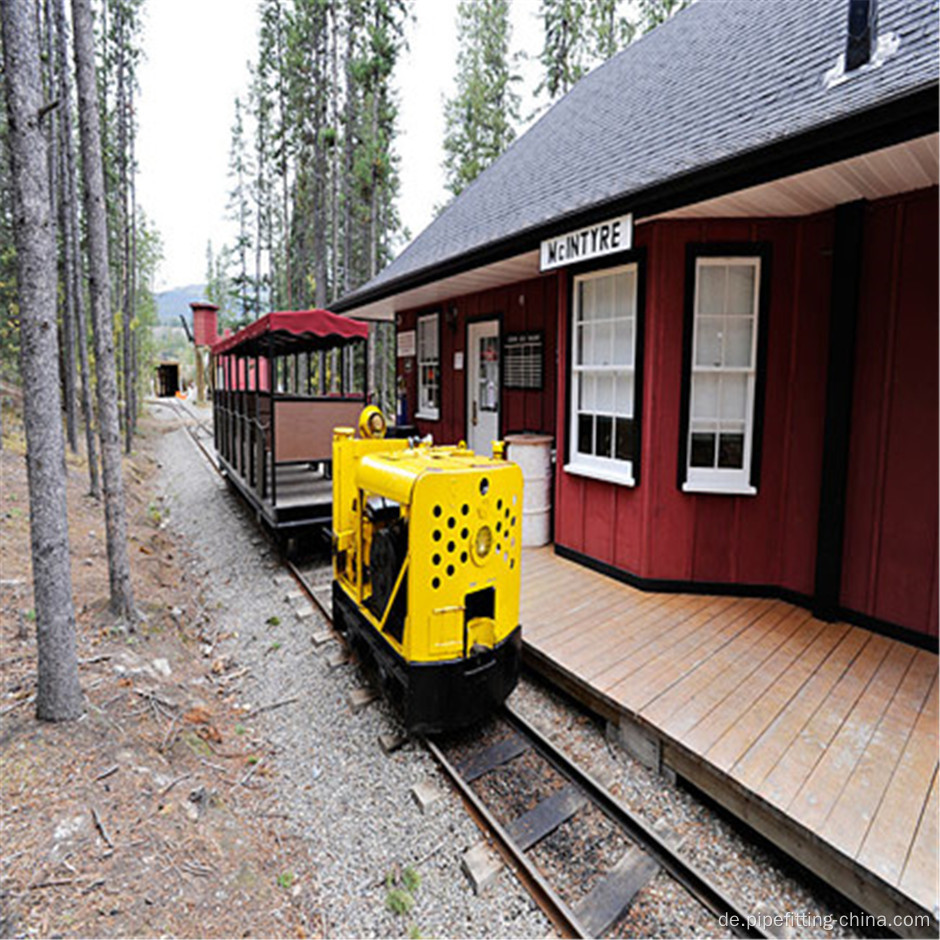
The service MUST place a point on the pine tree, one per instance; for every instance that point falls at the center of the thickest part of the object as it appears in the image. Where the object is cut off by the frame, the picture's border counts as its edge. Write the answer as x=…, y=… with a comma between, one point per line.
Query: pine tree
x=59, y=694
x=9, y=304
x=655, y=12
x=564, y=53
x=607, y=30
x=323, y=176
x=119, y=576
x=479, y=118
x=73, y=281
x=240, y=172
x=580, y=34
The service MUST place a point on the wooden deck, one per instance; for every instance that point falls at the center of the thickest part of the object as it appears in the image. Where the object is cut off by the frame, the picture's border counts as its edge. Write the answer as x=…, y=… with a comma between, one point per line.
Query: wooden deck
x=822, y=736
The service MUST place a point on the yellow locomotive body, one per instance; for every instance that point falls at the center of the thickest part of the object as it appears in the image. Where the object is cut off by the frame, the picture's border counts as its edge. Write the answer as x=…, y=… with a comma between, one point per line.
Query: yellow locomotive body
x=427, y=546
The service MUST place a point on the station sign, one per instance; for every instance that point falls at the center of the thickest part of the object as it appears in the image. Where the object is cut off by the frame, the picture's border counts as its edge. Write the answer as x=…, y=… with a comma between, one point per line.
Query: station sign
x=584, y=244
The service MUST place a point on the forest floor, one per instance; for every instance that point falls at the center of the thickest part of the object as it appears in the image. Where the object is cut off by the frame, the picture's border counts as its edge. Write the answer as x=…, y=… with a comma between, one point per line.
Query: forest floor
x=147, y=816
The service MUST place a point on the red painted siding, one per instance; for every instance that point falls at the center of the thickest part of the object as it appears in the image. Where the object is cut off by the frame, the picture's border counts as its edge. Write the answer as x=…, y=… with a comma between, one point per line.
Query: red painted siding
x=890, y=552
x=528, y=305
x=656, y=531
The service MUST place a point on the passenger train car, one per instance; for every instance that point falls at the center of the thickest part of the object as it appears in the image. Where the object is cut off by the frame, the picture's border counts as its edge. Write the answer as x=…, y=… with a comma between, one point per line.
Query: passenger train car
x=280, y=386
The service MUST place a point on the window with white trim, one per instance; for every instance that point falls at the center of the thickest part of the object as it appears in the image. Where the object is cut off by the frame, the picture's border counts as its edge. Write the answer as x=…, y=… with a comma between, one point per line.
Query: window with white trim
x=725, y=324
x=429, y=373
x=602, y=427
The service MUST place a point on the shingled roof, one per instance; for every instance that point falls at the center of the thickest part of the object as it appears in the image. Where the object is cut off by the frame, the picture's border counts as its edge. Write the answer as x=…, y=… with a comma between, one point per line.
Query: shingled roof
x=721, y=81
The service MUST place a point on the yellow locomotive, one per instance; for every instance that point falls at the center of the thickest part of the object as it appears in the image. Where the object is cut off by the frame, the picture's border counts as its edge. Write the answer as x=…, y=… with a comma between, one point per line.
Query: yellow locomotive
x=427, y=545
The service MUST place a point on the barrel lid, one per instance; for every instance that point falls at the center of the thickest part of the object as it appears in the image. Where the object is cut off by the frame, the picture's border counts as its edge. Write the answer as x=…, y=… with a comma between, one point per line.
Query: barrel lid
x=529, y=439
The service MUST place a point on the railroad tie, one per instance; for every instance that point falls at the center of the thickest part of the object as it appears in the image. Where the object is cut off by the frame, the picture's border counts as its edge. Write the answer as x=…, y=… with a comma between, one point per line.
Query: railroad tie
x=531, y=827
x=482, y=762
x=613, y=894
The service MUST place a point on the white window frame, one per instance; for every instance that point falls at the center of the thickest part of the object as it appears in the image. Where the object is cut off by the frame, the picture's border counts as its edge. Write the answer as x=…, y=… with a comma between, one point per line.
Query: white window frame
x=609, y=469
x=428, y=413
x=725, y=480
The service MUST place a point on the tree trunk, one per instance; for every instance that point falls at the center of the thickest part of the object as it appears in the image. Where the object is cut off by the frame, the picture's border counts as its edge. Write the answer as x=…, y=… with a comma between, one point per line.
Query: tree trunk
x=320, y=169
x=73, y=265
x=334, y=155
x=122, y=600
x=132, y=288
x=124, y=294
x=59, y=694
x=55, y=69
x=285, y=183
x=348, y=144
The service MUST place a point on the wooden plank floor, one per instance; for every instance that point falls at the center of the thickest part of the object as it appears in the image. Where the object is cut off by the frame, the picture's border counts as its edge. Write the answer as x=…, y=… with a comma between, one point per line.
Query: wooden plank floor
x=822, y=735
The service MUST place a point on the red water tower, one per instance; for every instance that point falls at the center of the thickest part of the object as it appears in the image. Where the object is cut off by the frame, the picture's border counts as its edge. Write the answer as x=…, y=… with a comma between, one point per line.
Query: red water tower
x=205, y=322
x=205, y=333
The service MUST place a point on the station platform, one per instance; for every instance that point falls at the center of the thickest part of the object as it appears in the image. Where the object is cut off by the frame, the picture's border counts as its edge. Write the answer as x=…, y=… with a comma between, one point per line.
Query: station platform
x=823, y=737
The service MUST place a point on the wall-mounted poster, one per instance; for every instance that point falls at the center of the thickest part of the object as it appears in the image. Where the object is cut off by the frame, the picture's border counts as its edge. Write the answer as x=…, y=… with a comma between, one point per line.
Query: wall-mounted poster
x=406, y=344
x=523, y=355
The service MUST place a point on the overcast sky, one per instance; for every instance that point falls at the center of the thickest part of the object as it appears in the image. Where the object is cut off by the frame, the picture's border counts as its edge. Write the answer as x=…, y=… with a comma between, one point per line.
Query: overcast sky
x=196, y=64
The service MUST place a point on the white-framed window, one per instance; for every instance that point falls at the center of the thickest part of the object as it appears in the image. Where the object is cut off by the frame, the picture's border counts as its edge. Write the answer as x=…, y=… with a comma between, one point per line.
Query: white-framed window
x=725, y=324
x=429, y=371
x=602, y=423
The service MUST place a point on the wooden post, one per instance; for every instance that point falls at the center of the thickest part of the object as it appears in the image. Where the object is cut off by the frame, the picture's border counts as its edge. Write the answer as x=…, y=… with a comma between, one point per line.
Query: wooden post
x=200, y=376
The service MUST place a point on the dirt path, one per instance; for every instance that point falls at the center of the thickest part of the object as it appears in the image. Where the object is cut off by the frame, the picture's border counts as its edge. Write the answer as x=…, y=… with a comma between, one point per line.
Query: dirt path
x=150, y=815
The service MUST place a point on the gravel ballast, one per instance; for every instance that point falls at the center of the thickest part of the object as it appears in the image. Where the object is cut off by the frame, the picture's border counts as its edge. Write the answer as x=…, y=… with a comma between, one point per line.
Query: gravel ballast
x=350, y=803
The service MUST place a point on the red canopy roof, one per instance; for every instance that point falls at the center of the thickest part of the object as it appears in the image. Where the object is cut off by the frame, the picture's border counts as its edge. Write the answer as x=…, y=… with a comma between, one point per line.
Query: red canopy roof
x=312, y=324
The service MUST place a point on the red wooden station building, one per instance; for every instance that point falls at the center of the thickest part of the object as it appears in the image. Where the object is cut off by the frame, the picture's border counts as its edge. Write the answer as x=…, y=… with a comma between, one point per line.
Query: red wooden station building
x=709, y=273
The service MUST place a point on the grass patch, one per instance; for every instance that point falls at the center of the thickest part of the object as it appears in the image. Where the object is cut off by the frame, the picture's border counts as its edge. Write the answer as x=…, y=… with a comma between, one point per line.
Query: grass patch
x=399, y=901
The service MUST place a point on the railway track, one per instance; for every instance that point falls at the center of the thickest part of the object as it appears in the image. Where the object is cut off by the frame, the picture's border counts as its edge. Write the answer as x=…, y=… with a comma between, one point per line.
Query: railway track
x=520, y=789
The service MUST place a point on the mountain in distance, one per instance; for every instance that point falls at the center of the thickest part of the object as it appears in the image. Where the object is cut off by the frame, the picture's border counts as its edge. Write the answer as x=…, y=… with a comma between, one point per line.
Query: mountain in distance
x=171, y=303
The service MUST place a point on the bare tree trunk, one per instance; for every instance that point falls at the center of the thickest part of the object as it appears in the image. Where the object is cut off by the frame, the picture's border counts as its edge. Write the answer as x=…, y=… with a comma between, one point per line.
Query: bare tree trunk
x=55, y=68
x=374, y=195
x=132, y=290
x=348, y=143
x=119, y=575
x=126, y=339
x=320, y=170
x=73, y=266
x=59, y=694
x=334, y=155
x=285, y=184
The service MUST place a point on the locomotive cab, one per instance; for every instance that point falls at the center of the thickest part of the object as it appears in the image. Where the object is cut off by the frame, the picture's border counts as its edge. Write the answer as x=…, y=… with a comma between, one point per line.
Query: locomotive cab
x=427, y=546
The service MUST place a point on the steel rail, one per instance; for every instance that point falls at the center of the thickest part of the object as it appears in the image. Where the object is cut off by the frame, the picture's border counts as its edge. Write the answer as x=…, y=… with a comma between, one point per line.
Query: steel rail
x=687, y=875
x=558, y=912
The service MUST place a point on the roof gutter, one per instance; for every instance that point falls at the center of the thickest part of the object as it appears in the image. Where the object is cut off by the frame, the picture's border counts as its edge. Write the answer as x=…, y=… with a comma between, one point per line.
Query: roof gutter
x=892, y=122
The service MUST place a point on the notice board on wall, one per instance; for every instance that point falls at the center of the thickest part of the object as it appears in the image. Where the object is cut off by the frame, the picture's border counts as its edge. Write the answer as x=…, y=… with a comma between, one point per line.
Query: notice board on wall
x=523, y=359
